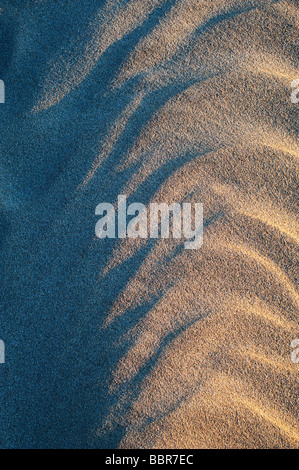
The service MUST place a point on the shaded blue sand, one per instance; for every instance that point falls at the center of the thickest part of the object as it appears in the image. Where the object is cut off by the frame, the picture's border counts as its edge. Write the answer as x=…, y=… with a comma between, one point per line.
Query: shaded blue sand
x=53, y=385
x=52, y=303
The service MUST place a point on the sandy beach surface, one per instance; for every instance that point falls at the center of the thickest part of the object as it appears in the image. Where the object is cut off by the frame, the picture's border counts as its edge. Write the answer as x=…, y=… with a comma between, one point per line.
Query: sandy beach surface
x=121, y=343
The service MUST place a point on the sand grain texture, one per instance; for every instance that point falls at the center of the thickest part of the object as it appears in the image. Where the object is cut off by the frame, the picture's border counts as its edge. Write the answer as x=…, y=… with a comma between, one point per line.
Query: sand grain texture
x=142, y=344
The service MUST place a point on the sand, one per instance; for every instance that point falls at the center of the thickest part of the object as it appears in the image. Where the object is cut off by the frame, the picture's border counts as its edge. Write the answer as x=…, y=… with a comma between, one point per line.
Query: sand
x=141, y=343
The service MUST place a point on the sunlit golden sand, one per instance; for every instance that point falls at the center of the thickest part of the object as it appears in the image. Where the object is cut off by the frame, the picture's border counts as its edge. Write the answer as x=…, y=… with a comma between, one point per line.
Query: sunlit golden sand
x=207, y=356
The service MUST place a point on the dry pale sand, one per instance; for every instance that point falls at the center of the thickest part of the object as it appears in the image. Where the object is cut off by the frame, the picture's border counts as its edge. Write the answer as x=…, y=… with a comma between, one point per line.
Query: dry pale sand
x=143, y=344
